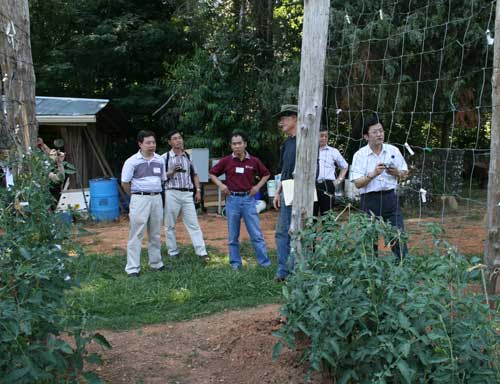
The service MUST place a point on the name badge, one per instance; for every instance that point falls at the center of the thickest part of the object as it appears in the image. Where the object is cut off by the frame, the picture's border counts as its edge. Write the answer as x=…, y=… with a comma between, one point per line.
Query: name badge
x=240, y=170
x=157, y=170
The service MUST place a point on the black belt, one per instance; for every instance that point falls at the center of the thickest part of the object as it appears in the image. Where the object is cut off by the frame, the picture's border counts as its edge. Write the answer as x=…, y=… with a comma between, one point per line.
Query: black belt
x=239, y=193
x=321, y=181
x=182, y=189
x=146, y=193
x=378, y=193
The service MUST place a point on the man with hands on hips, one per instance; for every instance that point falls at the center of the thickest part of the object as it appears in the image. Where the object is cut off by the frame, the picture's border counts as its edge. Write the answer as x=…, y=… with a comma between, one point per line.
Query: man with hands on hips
x=241, y=170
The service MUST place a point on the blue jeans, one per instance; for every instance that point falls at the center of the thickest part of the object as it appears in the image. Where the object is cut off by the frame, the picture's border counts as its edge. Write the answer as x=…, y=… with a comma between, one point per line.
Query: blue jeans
x=283, y=240
x=236, y=208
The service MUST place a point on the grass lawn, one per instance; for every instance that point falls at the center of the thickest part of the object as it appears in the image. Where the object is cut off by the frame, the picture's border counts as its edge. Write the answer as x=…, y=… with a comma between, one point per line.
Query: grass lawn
x=112, y=300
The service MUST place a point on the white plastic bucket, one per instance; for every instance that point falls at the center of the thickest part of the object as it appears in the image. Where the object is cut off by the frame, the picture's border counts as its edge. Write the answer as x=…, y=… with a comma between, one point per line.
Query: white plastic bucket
x=260, y=205
x=271, y=188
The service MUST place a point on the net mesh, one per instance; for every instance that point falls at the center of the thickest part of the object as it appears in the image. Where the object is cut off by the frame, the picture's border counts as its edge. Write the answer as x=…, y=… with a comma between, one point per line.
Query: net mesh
x=425, y=68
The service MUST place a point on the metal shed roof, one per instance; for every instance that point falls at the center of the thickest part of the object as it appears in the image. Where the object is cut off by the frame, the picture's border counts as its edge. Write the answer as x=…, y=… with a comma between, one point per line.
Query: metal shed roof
x=55, y=110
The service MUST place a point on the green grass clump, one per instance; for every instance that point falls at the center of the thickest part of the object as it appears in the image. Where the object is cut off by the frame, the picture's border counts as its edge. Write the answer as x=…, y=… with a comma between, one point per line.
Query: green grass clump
x=190, y=289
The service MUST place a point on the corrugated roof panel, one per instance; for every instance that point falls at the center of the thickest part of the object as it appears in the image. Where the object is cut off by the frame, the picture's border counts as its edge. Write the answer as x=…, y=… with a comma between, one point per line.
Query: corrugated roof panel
x=68, y=106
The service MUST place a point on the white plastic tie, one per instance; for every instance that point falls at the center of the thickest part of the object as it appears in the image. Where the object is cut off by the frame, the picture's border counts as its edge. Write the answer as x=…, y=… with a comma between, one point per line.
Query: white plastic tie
x=490, y=40
x=408, y=148
x=423, y=195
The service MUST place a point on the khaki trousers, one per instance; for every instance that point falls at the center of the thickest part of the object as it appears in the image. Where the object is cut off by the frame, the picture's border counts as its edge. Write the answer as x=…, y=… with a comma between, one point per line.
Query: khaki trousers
x=145, y=212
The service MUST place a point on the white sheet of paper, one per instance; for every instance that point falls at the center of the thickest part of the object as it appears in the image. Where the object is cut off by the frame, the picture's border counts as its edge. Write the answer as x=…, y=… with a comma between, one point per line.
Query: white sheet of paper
x=287, y=187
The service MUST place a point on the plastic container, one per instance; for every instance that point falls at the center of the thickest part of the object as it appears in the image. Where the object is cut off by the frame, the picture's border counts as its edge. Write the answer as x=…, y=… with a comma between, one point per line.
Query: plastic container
x=104, y=205
x=271, y=188
x=260, y=205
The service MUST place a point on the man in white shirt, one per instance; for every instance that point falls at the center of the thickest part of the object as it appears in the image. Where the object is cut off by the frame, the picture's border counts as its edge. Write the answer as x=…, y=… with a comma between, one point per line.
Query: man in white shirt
x=327, y=181
x=375, y=171
x=143, y=175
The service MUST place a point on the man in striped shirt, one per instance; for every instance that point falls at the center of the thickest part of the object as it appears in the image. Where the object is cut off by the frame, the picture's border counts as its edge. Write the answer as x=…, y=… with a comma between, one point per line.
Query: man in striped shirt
x=142, y=176
x=182, y=181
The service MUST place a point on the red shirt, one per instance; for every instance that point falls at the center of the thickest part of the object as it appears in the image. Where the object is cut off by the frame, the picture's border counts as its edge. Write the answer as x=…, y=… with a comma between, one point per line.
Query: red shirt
x=240, y=174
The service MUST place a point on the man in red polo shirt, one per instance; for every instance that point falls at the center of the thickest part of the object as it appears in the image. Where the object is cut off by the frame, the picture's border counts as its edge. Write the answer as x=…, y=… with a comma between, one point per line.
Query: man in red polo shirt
x=241, y=171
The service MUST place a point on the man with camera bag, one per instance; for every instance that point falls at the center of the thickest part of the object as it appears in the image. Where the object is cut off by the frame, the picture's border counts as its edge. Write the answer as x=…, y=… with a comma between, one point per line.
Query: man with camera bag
x=182, y=181
x=376, y=169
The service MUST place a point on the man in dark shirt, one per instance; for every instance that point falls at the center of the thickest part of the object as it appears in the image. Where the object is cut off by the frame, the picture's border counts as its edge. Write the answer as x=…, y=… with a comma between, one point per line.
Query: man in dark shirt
x=241, y=171
x=288, y=123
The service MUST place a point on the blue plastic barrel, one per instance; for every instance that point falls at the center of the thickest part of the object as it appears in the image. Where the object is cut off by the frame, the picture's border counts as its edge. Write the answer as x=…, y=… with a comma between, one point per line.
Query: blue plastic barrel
x=104, y=199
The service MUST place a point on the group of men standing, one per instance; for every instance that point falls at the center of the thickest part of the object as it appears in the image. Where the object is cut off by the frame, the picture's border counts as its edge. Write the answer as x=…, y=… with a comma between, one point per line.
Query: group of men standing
x=145, y=175
x=376, y=170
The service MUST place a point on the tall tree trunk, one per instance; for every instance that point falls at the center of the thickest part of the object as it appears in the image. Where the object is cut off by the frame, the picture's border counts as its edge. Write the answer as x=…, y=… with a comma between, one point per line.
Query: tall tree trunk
x=17, y=117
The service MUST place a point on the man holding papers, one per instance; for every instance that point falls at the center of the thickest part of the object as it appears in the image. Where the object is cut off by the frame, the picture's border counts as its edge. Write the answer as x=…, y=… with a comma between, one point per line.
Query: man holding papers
x=288, y=123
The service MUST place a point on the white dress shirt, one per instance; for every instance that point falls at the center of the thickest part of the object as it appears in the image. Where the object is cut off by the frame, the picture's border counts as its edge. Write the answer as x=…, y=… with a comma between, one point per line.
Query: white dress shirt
x=328, y=157
x=365, y=161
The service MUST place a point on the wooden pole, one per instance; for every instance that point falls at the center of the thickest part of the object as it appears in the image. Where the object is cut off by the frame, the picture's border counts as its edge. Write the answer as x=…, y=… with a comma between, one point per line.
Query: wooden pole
x=17, y=116
x=492, y=246
x=312, y=70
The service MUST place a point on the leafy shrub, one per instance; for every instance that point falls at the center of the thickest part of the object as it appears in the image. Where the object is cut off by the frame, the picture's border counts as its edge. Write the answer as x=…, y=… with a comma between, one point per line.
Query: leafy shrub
x=368, y=320
x=33, y=279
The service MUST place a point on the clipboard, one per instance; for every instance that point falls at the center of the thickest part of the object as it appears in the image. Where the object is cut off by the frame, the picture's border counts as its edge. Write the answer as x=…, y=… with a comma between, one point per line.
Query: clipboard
x=287, y=186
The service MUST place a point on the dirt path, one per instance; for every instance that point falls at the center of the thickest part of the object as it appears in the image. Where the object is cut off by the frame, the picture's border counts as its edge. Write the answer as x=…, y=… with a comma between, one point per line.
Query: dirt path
x=232, y=347
x=467, y=235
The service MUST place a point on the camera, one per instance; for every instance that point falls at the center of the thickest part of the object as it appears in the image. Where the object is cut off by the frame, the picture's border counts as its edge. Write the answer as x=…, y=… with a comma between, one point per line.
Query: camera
x=388, y=165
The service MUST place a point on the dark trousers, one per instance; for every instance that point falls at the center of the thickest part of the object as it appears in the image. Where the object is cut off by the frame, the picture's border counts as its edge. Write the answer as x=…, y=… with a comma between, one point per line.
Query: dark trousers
x=385, y=204
x=326, y=197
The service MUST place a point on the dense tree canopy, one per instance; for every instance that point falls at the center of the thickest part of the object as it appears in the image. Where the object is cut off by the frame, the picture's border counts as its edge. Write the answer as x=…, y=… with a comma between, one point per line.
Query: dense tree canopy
x=208, y=67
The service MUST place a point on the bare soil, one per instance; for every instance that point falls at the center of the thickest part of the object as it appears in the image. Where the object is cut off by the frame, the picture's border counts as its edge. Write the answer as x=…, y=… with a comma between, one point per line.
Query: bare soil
x=230, y=347
x=468, y=235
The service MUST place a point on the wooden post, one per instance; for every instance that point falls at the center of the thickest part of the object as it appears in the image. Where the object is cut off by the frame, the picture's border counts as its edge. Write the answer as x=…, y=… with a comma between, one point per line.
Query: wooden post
x=17, y=115
x=492, y=246
x=312, y=70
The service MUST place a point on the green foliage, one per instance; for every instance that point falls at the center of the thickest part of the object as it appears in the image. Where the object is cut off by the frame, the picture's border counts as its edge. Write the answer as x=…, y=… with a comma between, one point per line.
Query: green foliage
x=108, y=49
x=247, y=66
x=368, y=320
x=33, y=279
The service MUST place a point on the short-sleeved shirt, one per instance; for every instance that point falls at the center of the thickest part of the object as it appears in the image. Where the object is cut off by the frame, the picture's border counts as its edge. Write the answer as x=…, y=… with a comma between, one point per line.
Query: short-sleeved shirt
x=240, y=174
x=365, y=161
x=328, y=158
x=179, y=179
x=144, y=175
x=287, y=158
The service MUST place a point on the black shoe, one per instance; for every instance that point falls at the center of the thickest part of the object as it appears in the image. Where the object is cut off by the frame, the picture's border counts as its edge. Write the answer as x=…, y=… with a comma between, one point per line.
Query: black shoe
x=134, y=275
x=279, y=279
x=204, y=259
x=162, y=268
